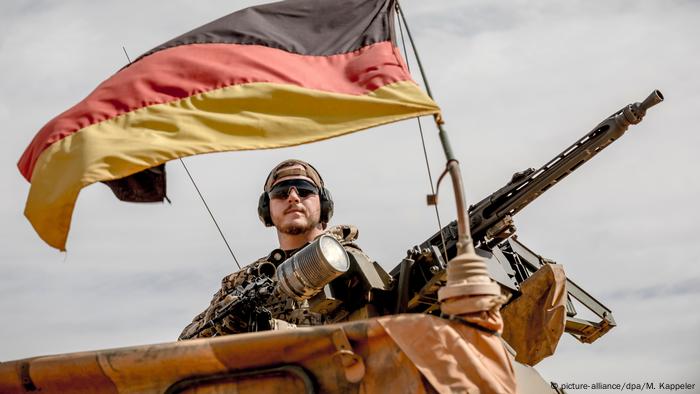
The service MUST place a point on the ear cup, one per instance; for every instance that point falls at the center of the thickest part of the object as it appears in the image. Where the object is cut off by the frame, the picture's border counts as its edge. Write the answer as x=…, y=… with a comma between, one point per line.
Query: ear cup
x=326, y=205
x=264, y=209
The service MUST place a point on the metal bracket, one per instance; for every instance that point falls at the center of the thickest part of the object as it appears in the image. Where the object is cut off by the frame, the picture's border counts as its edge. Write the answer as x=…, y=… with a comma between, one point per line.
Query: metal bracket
x=26, y=379
x=584, y=330
x=431, y=199
x=352, y=364
x=587, y=331
x=501, y=230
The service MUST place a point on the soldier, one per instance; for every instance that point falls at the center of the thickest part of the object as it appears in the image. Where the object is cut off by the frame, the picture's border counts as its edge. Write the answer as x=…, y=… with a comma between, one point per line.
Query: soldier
x=296, y=202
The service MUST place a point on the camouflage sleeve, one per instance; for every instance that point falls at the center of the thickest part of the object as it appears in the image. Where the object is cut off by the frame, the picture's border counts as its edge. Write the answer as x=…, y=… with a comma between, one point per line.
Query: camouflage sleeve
x=222, y=297
x=347, y=234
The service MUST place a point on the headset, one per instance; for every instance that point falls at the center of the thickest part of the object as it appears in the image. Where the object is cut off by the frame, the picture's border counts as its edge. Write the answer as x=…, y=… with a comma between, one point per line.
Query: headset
x=324, y=196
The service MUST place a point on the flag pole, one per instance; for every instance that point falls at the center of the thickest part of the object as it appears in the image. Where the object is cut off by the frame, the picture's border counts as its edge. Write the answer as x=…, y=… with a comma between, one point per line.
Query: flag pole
x=467, y=274
x=465, y=243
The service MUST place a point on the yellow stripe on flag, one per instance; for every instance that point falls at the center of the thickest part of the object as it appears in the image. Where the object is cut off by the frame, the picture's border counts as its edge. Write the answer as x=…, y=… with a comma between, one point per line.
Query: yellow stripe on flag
x=239, y=117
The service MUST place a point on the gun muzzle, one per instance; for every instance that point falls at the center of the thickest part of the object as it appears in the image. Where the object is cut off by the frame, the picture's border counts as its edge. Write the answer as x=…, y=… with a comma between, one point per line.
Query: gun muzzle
x=267, y=269
x=634, y=113
x=303, y=275
x=654, y=98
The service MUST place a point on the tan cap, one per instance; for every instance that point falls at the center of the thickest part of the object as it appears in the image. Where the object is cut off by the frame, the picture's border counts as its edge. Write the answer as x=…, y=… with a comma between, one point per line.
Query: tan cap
x=290, y=168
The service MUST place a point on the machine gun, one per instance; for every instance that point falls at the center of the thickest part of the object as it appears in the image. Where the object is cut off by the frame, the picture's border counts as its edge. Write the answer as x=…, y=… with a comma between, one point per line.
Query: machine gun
x=246, y=308
x=413, y=284
x=418, y=277
x=269, y=285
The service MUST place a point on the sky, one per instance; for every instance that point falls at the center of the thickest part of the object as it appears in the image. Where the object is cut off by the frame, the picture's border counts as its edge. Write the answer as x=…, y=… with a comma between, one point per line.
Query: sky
x=518, y=82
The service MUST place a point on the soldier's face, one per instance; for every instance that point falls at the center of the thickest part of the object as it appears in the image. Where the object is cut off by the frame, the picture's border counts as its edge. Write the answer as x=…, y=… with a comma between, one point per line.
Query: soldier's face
x=295, y=214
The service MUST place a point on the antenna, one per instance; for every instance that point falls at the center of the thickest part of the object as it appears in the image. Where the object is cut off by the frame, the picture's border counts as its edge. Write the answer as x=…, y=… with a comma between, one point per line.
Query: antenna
x=467, y=274
x=200, y=195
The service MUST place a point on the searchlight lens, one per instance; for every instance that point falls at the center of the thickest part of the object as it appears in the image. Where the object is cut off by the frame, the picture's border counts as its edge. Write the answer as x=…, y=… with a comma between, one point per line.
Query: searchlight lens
x=304, y=275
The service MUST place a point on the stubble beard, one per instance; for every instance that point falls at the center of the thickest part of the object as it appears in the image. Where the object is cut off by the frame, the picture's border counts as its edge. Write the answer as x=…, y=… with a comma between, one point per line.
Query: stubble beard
x=297, y=229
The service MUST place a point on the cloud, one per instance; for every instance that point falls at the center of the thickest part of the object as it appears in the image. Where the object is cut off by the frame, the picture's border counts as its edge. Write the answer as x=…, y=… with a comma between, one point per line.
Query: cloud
x=688, y=287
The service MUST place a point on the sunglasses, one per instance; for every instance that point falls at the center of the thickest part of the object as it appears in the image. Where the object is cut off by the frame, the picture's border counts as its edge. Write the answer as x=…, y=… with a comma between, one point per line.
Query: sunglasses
x=303, y=188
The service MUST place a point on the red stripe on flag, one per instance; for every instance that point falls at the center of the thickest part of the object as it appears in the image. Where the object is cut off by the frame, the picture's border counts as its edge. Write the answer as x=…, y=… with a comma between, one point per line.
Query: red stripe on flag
x=186, y=70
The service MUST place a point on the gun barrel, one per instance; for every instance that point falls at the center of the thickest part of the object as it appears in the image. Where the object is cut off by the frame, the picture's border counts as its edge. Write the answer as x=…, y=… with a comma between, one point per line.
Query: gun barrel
x=654, y=98
x=522, y=190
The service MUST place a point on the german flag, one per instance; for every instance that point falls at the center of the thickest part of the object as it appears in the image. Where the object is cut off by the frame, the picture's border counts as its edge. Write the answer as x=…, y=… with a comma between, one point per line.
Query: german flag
x=270, y=76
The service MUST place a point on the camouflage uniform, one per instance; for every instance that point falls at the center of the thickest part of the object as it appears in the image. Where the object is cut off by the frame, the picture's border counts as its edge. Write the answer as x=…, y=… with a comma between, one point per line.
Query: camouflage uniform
x=286, y=311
